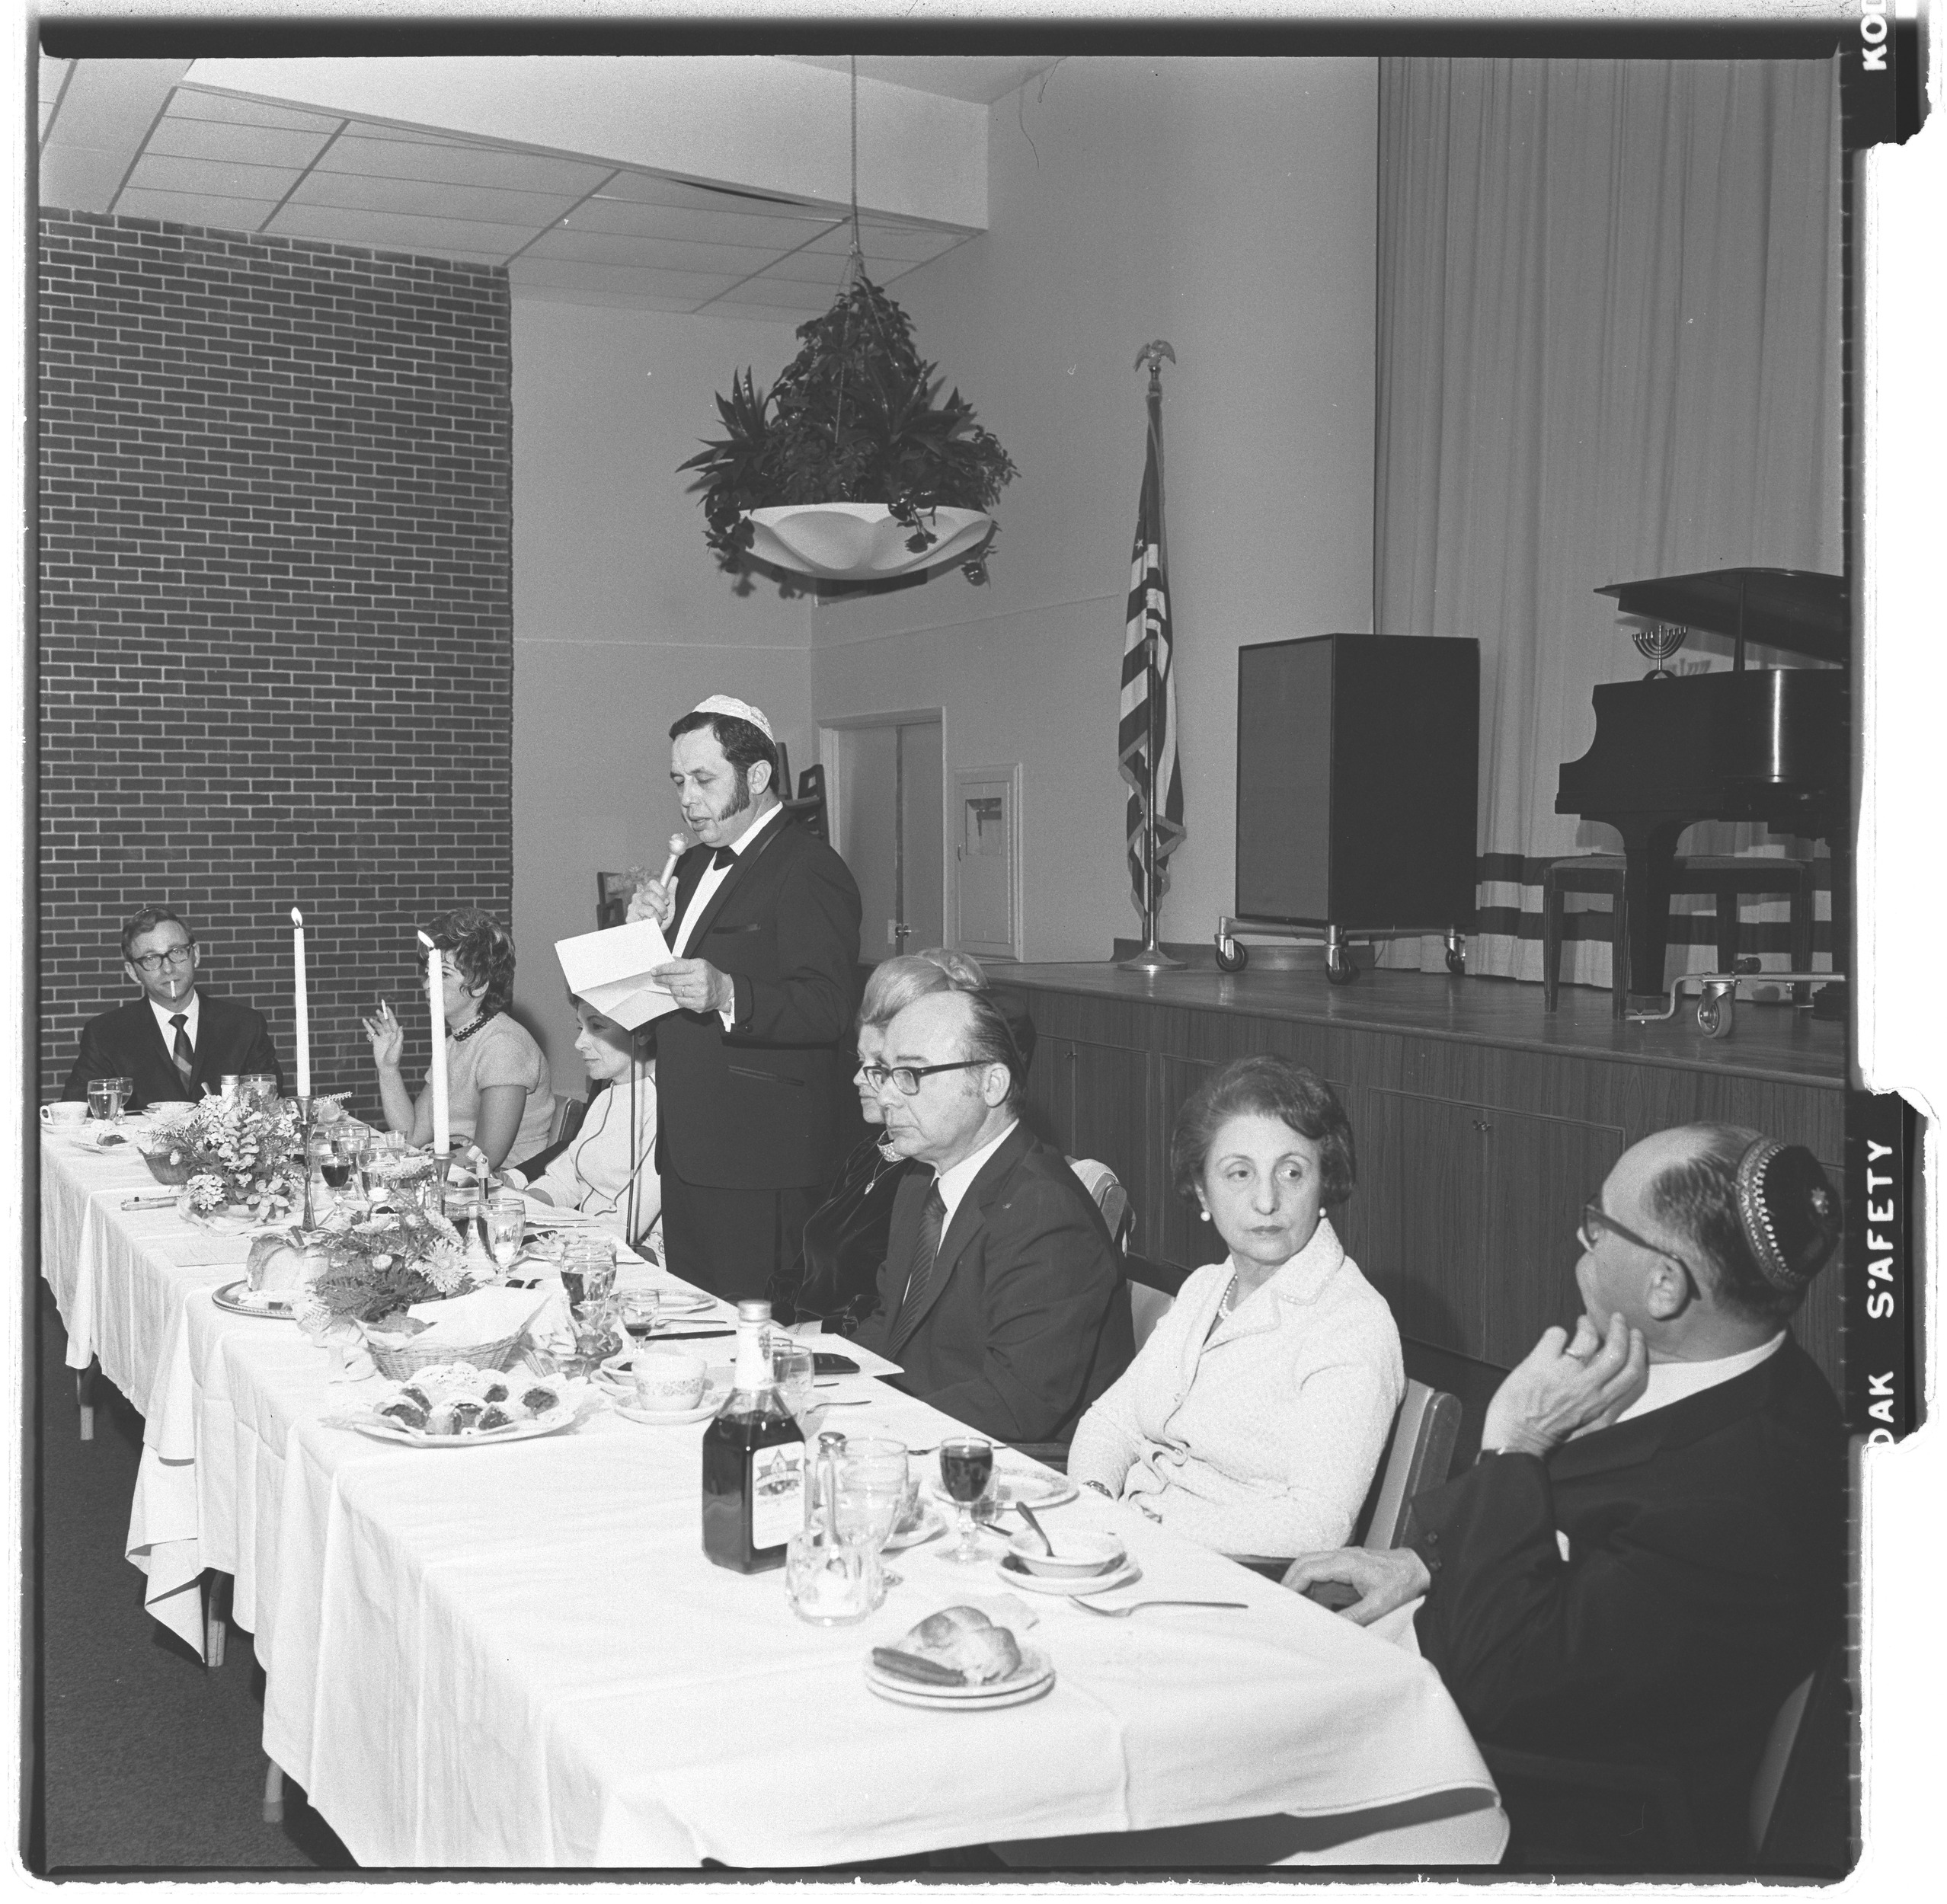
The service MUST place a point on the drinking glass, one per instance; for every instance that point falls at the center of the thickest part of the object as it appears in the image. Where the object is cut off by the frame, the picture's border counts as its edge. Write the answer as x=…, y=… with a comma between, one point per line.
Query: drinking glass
x=871, y=1492
x=832, y=1581
x=355, y=1145
x=507, y=1218
x=588, y=1264
x=795, y=1370
x=124, y=1090
x=966, y=1467
x=259, y=1085
x=103, y=1099
x=639, y=1308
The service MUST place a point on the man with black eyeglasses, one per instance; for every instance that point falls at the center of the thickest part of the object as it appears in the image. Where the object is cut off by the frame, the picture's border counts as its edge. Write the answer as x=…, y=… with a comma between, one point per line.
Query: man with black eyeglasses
x=1650, y=1554
x=172, y=1040
x=1001, y=1295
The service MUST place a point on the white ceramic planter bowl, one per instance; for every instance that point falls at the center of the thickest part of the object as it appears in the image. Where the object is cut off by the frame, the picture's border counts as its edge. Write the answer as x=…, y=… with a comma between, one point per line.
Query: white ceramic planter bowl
x=859, y=542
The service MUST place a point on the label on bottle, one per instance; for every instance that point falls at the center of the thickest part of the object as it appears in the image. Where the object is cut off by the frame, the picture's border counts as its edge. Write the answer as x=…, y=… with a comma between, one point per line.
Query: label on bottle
x=777, y=1493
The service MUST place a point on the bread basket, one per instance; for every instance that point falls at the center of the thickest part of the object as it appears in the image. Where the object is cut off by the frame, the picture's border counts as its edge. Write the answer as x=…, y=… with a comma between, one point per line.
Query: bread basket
x=402, y=1362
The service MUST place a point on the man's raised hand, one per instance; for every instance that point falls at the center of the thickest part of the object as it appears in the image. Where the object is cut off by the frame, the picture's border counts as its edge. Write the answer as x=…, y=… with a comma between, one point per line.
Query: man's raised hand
x=1565, y=1387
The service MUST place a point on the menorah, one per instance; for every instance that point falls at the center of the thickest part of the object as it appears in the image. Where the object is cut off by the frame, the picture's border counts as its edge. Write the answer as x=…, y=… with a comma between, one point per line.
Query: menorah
x=1657, y=641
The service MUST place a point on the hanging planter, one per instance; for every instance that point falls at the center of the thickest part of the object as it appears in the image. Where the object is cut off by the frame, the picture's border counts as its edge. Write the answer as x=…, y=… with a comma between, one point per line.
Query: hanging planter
x=848, y=469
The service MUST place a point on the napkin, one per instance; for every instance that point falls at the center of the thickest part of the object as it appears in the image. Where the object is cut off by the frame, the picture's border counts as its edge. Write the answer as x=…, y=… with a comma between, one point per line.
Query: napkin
x=481, y=1315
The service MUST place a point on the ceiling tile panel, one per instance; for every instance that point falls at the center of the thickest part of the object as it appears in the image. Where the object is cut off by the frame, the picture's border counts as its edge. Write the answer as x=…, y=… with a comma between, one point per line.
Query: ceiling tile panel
x=190, y=208
x=609, y=300
x=175, y=138
x=651, y=189
x=423, y=198
x=911, y=244
x=211, y=177
x=781, y=294
x=188, y=103
x=693, y=287
x=624, y=217
x=593, y=247
x=394, y=231
x=457, y=163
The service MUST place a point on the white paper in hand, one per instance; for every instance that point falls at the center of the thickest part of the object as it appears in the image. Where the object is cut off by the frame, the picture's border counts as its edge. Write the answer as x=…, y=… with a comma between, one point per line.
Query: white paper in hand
x=610, y=969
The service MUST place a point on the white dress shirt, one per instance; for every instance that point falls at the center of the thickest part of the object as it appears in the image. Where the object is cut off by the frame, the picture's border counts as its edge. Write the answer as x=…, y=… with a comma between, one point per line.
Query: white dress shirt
x=1676, y=1381
x=714, y=876
x=191, y=1008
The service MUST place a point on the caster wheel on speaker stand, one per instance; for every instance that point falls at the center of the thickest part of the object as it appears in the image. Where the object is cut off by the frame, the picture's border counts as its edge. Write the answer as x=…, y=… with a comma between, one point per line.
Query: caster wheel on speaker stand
x=1715, y=1013
x=1339, y=967
x=1231, y=956
x=1456, y=963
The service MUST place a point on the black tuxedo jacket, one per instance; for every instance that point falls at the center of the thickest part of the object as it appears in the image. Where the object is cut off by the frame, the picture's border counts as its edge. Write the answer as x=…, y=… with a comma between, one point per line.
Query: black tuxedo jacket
x=759, y=1107
x=1704, y=1578
x=232, y=1040
x=1024, y=1322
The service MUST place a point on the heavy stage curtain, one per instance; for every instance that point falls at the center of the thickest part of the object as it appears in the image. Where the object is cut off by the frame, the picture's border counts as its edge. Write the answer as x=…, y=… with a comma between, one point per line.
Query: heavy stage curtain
x=1608, y=348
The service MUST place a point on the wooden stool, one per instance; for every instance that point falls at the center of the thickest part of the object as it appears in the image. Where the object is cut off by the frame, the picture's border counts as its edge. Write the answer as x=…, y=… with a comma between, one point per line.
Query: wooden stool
x=1724, y=876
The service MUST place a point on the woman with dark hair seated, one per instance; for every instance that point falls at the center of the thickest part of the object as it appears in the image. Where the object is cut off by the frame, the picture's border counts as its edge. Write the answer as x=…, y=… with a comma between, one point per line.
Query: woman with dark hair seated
x=498, y=1096
x=607, y=1168
x=1253, y=1419
x=835, y=1278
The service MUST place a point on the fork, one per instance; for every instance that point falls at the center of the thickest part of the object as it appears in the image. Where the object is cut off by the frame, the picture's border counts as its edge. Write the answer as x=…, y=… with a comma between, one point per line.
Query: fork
x=1123, y=1612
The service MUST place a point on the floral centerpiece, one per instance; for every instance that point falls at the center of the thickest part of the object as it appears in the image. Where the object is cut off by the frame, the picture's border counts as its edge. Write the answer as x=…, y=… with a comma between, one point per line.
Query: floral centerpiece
x=373, y=1269
x=229, y=1153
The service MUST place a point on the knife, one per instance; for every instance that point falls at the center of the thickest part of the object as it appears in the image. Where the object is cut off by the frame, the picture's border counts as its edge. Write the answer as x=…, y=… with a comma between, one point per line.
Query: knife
x=151, y=1200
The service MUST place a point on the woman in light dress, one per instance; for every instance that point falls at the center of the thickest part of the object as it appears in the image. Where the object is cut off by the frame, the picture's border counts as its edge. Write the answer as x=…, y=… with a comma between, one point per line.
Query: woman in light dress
x=607, y=1168
x=498, y=1096
x=1253, y=1419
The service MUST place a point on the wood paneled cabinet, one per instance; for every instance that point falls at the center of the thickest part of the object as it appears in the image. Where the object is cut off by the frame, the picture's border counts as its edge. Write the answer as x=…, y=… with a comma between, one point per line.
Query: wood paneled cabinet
x=1475, y=1158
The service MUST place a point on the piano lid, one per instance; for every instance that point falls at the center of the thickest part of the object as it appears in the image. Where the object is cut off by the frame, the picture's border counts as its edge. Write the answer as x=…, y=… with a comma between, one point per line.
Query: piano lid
x=1798, y=610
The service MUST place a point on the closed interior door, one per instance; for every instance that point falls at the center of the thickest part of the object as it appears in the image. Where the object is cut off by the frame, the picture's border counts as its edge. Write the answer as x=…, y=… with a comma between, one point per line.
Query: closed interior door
x=891, y=782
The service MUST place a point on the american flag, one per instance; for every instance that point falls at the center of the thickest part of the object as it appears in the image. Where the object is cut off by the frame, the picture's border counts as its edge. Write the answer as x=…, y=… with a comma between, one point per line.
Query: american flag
x=1149, y=610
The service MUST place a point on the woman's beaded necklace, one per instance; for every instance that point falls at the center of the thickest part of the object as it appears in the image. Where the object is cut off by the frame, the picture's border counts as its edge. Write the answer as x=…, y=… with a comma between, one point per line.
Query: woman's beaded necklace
x=460, y=1036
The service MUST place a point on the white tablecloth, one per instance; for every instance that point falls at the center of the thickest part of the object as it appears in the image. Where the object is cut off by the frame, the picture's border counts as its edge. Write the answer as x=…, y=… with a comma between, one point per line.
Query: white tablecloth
x=516, y=1655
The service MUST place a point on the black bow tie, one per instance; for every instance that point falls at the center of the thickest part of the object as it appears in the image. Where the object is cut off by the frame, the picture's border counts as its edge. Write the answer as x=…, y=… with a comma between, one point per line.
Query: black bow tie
x=722, y=858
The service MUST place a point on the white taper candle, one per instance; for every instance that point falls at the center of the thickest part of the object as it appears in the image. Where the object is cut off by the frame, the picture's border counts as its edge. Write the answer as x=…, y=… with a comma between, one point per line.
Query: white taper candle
x=303, y=1005
x=435, y=995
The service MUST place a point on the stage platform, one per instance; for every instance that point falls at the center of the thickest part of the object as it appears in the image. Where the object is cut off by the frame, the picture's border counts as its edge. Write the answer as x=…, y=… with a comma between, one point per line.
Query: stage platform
x=1482, y=1123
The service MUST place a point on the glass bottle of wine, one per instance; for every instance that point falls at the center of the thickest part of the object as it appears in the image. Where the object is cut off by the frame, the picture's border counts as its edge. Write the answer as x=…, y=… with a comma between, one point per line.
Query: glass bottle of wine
x=754, y=1460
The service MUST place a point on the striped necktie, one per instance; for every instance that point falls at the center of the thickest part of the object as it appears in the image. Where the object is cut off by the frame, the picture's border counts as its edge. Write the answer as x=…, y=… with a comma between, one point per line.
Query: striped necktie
x=185, y=1052
x=927, y=1246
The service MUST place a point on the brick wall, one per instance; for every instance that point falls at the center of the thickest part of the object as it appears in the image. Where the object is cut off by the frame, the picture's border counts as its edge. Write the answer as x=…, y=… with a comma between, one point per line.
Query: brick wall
x=275, y=637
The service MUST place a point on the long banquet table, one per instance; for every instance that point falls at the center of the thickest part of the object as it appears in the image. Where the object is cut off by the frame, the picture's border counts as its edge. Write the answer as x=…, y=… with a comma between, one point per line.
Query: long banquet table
x=517, y=1656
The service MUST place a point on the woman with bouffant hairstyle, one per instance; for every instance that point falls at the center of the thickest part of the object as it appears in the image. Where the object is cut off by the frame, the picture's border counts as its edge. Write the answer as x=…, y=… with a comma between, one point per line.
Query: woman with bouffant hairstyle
x=498, y=1095
x=1252, y=1420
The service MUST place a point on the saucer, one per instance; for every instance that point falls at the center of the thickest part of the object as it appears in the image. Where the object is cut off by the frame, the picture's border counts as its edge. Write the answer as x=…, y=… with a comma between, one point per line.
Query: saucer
x=713, y=1400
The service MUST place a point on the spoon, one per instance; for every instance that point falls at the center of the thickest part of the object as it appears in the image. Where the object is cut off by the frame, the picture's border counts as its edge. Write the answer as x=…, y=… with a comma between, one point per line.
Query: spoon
x=1026, y=1513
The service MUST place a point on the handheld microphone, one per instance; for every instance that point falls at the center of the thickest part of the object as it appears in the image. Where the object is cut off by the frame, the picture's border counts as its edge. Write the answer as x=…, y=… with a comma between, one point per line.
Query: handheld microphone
x=678, y=847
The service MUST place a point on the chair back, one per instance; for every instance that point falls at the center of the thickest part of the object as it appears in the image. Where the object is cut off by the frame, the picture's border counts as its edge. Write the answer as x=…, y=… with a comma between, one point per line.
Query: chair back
x=566, y=1119
x=613, y=891
x=1792, y=1815
x=1418, y=1456
x=1111, y=1199
x=1147, y=1307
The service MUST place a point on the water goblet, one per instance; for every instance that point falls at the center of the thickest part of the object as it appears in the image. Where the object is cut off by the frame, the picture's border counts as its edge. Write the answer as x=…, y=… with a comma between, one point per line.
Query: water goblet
x=871, y=1493
x=102, y=1100
x=258, y=1086
x=506, y=1219
x=966, y=1467
x=124, y=1090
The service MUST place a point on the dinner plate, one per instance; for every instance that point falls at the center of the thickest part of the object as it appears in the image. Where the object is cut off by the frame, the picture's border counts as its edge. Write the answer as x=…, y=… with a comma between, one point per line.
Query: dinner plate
x=267, y=1306
x=552, y=1423
x=118, y=1143
x=1123, y=1574
x=1034, y=1674
x=1013, y=1486
x=906, y=1695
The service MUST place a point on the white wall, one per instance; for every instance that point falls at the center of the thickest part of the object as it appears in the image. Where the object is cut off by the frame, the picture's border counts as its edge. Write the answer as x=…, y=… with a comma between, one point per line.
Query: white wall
x=622, y=620
x=1229, y=206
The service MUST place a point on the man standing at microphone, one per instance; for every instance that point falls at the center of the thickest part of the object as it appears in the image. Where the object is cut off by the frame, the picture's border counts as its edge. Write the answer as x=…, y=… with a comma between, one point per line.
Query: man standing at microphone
x=762, y=918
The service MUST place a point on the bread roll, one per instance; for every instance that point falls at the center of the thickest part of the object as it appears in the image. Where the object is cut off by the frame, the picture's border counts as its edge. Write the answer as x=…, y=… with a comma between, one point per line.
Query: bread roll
x=964, y=1638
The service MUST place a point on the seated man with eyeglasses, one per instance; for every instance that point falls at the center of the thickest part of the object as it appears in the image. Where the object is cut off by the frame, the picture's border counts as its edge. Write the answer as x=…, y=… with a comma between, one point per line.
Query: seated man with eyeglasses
x=1001, y=1294
x=1650, y=1554
x=173, y=1040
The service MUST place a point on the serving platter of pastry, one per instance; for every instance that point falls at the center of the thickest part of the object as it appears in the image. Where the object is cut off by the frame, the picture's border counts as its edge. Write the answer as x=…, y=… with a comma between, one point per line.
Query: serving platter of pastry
x=456, y=1405
x=958, y=1659
x=239, y=1298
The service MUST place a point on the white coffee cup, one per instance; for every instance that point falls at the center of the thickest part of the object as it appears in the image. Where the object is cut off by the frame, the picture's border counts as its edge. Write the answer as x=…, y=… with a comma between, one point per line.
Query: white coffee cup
x=667, y=1380
x=68, y=1113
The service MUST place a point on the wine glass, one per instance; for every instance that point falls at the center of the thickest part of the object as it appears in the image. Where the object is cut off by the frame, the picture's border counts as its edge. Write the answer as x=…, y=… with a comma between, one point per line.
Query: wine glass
x=795, y=1369
x=639, y=1308
x=966, y=1467
x=871, y=1491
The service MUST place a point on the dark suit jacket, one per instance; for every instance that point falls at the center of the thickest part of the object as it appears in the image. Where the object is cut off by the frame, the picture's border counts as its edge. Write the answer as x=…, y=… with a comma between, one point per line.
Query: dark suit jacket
x=232, y=1040
x=1705, y=1579
x=1024, y=1322
x=758, y=1106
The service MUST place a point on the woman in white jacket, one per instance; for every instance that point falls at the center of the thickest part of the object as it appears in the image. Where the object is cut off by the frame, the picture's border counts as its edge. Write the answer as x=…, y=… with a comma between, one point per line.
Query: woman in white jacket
x=1253, y=1419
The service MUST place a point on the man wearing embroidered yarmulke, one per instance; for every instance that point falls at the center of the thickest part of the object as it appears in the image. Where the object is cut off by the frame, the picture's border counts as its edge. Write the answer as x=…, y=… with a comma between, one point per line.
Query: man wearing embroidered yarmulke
x=762, y=918
x=1650, y=1554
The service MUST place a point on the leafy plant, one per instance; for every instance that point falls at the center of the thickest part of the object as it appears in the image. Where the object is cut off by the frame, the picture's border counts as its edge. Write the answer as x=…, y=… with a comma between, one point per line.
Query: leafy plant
x=854, y=418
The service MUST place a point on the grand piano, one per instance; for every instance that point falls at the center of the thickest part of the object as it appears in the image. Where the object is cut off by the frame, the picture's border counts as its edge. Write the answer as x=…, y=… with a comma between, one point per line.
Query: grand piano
x=1756, y=744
